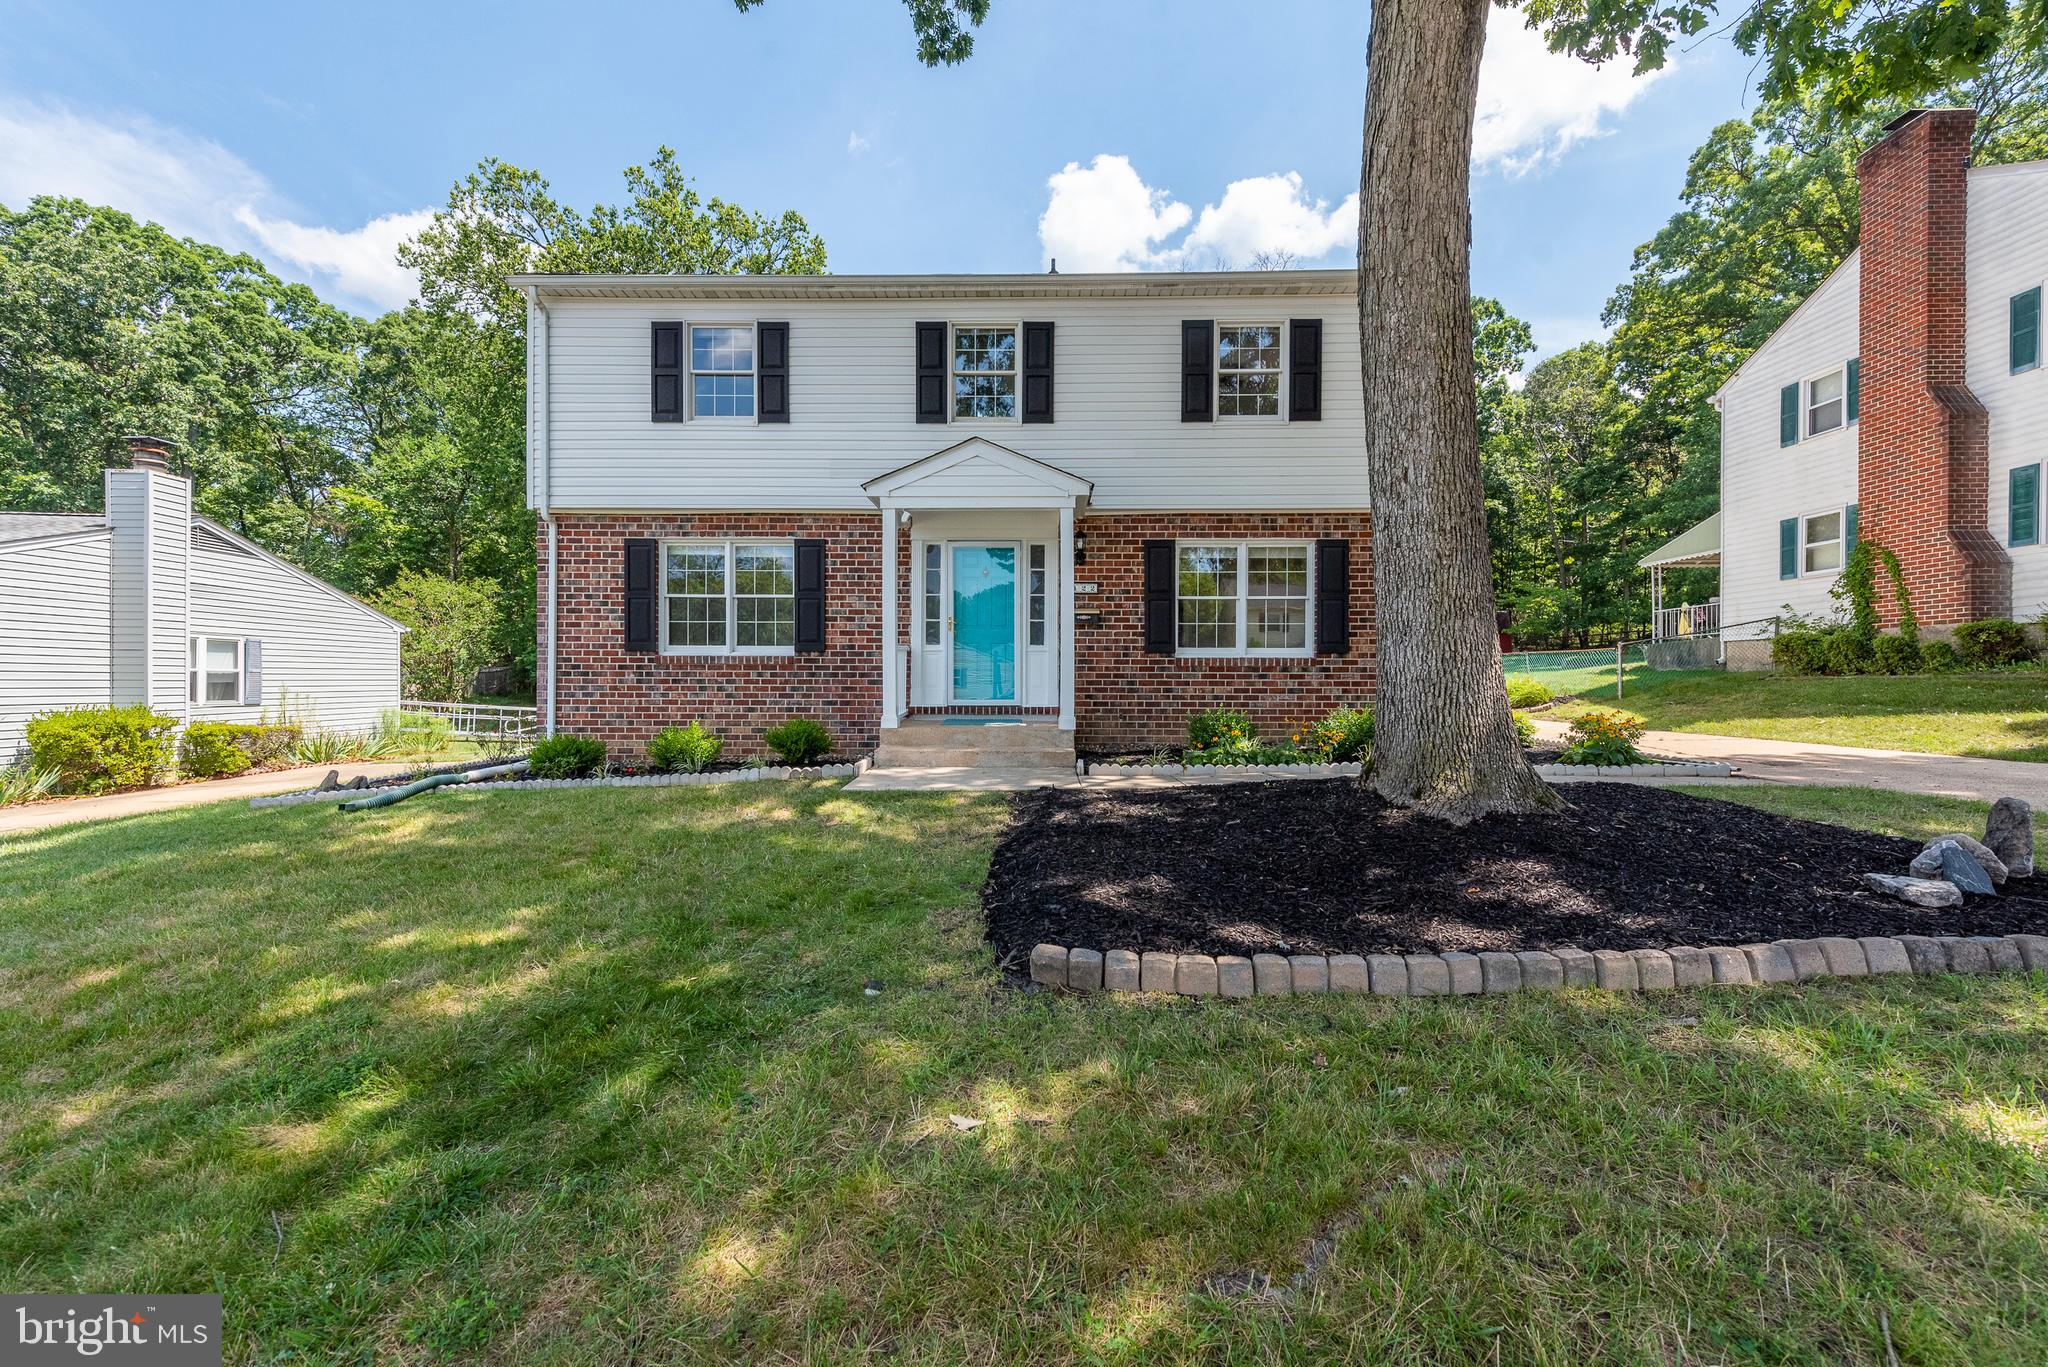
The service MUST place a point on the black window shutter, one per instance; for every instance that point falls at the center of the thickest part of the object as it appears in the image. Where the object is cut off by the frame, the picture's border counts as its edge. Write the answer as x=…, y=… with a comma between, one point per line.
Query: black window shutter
x=1159, y=577
x=810, y=597
x=668, y=373
x=931, y=372
x=1197, y=370
x=1038, y=372
x=1305, y=370
x=771, y=369
x=641, y=555
x=1333, y=597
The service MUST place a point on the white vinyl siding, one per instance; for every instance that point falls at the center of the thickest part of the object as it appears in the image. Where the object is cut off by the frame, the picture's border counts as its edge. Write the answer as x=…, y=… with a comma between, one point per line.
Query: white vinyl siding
x=56, y=636
x=2007, y=253
x=852, y=379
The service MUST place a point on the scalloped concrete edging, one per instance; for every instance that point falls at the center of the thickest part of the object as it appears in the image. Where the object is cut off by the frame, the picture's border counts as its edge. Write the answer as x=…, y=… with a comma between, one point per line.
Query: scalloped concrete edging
x=755, y=775
x=1532, y=970
x=1656, y=769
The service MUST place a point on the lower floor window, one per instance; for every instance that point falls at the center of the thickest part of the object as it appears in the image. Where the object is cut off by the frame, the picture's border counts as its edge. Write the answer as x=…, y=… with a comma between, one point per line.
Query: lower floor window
x=721, y=596
x=1823, y=543
x=1243, y=598
x=216, y=669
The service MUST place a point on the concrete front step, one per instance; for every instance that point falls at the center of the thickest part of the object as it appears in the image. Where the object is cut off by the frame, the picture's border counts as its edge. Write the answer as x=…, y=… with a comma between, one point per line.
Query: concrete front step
x=924, y=743
x=986, y=778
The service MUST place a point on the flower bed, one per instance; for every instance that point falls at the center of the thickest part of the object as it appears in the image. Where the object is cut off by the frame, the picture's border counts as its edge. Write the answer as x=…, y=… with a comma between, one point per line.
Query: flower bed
x=628, y=779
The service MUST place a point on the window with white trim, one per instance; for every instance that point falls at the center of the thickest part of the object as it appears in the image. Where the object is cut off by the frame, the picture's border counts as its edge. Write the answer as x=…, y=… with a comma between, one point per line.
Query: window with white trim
x=1248, y=370
x=1035, y=595
x=985, y=371
x=934, y=594
x=722, y=371
x=1827, y=401
x=216, y=669
x=729, y=597
x=1821, y=543
x=1243, y=598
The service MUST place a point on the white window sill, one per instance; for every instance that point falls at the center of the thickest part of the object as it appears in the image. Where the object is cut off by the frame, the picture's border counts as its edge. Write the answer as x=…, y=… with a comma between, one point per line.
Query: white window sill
x=720, y=652
x=1197, y=653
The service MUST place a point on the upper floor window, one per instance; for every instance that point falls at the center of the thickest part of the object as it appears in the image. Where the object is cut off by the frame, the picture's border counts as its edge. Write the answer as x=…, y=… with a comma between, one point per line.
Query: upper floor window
x=985, y=372
x=1244, y=598
x=723, y=597
x=1826, y=403
x=2023, y=316
x=1248, y=370
x=216, y=669
x=722, y=372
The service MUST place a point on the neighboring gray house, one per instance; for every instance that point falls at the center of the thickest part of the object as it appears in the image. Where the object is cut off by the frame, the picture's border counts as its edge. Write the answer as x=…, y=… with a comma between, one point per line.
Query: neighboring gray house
x=150, y=603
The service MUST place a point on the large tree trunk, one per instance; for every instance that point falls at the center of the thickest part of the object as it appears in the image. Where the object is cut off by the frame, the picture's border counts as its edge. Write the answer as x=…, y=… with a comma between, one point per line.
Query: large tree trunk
x=1444, y=740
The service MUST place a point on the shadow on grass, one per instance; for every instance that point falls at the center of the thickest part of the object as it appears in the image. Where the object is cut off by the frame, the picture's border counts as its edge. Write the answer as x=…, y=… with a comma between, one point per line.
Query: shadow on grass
x=510, y=1078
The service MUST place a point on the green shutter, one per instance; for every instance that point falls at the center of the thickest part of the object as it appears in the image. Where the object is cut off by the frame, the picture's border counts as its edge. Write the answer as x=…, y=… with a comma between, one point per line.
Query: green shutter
x=1855, y=368
x=2026, y=330
x=2023, y=506
x=1788, y=548
x=1848, y=530
x=1788, y=415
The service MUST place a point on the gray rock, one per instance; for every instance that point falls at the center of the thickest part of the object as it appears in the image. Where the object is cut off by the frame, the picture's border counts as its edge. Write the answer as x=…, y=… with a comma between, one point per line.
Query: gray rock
x=1966, y=954
x=1579, y=970
x=1924, y=952
x=1654, y=972
x=1808, y=960
x=1311, y=973
x=1986, y=857
x=1084, y=970
x=1347, y=973
x=2033, y=950
x=1389, y=974
x=1691, y=967
x=2004, y=954
x=1541, y=972
x=1731, y=966
x=1120, y=970
x=1234, y=975
x=1271, y=974
x=1844, y=957
x=1953, y=864
x=1884, y=955
x=2009, y=831
x=1615, y=970
x=1049, y=965
x=1155, y=971
x=1770, y=964
x=1194, y=975
x=1466, y=977
x=1500, y=972
x=1427, y=976
x=1919, y=892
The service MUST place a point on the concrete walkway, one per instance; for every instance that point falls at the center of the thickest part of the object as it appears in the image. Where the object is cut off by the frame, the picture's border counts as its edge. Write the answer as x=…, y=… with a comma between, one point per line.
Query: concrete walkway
x=36, y=816
x=1899, y=771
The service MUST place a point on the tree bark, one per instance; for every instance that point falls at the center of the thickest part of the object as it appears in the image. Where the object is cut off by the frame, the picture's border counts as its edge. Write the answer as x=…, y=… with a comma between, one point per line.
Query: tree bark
x=1444, y=740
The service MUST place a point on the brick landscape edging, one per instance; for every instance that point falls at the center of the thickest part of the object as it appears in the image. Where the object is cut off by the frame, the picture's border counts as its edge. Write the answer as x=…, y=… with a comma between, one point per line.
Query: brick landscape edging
x=1656, y=769
x=1490, y=971
x=853, y=770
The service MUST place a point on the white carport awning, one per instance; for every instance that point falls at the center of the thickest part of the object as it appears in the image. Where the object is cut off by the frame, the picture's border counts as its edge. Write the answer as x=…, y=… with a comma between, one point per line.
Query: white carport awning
x=1699, y=544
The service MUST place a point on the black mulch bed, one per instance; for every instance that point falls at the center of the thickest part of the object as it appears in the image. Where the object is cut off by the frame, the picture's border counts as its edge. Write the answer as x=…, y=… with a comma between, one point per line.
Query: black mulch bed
x=1323, y=867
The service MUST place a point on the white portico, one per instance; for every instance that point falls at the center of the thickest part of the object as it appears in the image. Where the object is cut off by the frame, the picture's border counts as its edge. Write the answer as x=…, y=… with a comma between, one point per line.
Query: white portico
x=990, y=534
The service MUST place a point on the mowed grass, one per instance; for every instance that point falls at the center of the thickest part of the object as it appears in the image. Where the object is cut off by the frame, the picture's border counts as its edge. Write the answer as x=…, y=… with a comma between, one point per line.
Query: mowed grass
x=591, y=1078
x=1996, y=716
x=1911, y=816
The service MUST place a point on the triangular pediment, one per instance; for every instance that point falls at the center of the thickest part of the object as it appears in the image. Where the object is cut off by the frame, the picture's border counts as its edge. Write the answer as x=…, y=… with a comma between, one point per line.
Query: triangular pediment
x=977, y=472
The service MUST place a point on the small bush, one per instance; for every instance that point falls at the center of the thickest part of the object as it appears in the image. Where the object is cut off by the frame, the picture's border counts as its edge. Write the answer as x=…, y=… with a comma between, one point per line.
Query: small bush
x=1525, y=730
x=1938, y=657
x=566, y=757
x=1605, y=737
x=1992, y=642
x=1220, y=728
x=799, y=740
x=688, y=749
x=208, y=750
x=1896, y=655
x=25, y=783
x=1800, y=651
x=1847, y=653
x=94, y=749
x=1343, y=736
x=1528, y=692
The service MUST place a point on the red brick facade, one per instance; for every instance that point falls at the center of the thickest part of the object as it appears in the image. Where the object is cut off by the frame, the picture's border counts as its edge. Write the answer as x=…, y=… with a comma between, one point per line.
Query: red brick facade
x=1923, y=475
x=1124, y=697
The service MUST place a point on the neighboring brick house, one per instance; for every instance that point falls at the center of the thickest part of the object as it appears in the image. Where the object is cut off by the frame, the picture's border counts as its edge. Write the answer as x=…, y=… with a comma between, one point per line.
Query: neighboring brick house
x=1106, y=502
x=1905, y=401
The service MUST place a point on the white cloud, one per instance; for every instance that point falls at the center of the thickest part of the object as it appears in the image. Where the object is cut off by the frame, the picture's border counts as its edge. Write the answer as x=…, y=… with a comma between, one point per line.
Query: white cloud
x=197, y=188
x=1534, y=104
x=1270, y=215
x=856, y=144
x=1103, y=217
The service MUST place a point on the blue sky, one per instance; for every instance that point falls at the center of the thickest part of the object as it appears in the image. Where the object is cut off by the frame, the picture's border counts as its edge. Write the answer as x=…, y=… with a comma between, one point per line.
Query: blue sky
x=1125, y=133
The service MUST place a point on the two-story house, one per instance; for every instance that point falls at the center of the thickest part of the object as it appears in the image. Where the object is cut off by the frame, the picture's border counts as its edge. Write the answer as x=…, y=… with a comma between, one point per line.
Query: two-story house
x=1905, y=401
x=1096, y=502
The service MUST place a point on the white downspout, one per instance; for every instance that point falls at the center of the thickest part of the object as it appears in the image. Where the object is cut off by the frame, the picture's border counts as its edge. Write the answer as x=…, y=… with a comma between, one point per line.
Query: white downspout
x=537, y=349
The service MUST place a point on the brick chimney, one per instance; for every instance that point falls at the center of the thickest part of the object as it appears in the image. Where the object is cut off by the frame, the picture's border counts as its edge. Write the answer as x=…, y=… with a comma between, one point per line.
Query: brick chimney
x=1923, y=465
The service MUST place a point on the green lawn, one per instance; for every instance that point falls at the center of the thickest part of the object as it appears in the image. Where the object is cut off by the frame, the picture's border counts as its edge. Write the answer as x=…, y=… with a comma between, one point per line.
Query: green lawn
x=591, y=1077
x=2000, y=716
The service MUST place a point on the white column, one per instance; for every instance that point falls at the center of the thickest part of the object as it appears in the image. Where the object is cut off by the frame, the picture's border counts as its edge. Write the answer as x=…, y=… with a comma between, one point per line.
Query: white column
x=1066, y=569
x=892, y=668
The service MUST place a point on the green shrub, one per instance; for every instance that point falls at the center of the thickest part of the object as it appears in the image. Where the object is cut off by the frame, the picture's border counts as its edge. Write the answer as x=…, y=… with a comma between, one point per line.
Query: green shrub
x=1605, y=737
x=1938, y=657
x=94, y=749
x=1525, y=730
x=1220, y=728
x=690, y=749
x=566, y=757
x=209, y=750
x=1848, y=653
x=1896, y=655
x=1992, y=642
x=799, y=740
x=1256, y=753
x=1528, y=692
x=25, y=783
x=1343, y=736
x=1800, y=651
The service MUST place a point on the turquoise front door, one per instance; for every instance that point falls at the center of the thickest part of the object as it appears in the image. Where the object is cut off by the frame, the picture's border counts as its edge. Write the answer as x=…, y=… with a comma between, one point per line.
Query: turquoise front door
x=984, y=624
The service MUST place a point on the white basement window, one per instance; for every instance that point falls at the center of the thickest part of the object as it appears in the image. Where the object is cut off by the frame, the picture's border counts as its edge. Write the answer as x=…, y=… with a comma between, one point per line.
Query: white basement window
x=1248, y=370
x=729, y=597
x=1243, y=598
x=985, y=372
x=1823, y=543
x=1826, y=401
x=216, y=669
x=722, y=372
